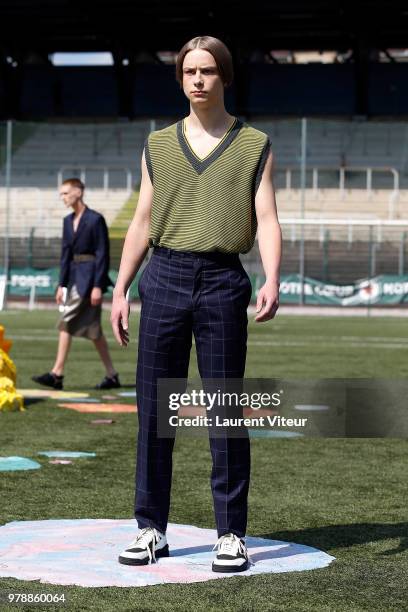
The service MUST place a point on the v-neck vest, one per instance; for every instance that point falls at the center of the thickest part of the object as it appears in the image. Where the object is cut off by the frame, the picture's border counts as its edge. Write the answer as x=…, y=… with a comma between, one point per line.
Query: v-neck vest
x=205, y=204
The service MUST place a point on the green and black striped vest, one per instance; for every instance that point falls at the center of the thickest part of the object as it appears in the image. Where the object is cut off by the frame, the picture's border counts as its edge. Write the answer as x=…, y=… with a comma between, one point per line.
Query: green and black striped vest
x=205, y=204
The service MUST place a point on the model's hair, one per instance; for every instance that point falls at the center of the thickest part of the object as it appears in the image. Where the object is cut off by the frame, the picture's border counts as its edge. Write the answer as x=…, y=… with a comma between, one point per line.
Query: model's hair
x=75, y=182
x=218, y=50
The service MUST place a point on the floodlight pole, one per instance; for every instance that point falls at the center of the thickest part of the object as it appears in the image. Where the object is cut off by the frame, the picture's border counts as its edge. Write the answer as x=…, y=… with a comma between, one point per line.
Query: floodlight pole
x=9, y=140
x=302, y=211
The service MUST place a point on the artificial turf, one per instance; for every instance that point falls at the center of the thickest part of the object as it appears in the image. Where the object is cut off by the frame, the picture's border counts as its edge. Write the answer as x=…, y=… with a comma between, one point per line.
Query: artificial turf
x=344, y=496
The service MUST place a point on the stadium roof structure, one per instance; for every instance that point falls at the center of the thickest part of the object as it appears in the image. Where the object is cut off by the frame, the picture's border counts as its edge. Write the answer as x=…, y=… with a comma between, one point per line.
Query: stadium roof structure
x=268, y=40
x=125, y=27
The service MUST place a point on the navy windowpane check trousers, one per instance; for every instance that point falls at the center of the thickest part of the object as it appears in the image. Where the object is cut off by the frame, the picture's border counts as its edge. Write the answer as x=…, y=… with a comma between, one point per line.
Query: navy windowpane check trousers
x=185, y=293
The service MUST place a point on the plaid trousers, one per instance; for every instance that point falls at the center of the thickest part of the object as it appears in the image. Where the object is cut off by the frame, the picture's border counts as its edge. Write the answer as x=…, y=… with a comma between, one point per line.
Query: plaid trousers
x=185, y=293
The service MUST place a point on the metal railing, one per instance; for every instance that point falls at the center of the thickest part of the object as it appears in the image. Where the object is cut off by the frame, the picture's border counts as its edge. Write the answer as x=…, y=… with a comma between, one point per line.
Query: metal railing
x=107, y=171
x=341, y=186
x=367, y=170
x=372, y=233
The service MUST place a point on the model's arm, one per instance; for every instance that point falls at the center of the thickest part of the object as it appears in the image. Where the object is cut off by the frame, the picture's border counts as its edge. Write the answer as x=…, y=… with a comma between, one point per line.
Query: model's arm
x=134, y=251
x=64, y=263
x=270, y=244
x=101, y=260
x=101, y=238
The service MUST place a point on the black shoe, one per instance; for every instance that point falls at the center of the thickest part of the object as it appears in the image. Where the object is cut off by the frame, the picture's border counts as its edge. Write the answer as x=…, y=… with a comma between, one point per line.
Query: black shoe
x=109, y=382
x=49, y=380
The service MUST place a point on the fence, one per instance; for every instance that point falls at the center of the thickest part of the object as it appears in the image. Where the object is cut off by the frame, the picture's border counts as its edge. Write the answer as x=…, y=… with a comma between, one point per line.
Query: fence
x=335, y=252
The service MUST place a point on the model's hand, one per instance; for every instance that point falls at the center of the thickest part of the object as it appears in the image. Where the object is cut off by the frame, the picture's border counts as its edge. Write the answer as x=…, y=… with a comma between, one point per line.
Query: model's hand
x=96, y=296
x=59, y=296
x=268, y=301
x=120, y=319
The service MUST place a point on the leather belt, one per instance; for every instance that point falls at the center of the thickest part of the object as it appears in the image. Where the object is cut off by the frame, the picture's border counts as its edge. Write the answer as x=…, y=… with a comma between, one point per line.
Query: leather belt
x=84, y=257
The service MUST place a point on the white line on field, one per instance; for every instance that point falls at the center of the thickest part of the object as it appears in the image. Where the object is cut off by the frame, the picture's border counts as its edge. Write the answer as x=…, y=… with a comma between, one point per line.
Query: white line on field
x=324, y=342
x=331, y=344
x=334, y=338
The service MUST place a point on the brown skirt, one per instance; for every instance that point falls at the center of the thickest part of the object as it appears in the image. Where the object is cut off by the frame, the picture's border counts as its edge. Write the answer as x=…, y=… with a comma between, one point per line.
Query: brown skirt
x=80, y=318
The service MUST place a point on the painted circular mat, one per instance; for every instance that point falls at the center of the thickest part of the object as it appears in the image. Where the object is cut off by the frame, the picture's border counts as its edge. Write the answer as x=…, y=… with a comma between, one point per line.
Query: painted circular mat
x=84, y=552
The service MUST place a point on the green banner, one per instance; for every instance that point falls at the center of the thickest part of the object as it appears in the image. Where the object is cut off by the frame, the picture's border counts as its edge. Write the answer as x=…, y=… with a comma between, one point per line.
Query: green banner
x=384, y=290
x=22, y=279
x=381, y=290
x=46, y=281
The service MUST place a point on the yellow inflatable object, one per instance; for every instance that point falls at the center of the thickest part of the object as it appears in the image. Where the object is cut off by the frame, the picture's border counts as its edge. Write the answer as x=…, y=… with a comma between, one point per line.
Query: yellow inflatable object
x=4, y=344
x=9, y=398
x=7, y=367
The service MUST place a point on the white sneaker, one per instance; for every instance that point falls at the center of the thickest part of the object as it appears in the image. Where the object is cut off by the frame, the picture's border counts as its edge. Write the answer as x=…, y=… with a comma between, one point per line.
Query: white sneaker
x=148, y=546
x=232, y=555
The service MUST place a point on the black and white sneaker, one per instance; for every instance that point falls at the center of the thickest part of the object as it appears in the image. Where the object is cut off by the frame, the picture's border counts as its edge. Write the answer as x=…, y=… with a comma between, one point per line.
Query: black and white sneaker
x=148, y=546
x=232, y=555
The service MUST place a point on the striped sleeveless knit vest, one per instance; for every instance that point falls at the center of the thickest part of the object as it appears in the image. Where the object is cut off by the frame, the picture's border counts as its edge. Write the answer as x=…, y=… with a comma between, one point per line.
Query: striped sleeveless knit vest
x=205, y=204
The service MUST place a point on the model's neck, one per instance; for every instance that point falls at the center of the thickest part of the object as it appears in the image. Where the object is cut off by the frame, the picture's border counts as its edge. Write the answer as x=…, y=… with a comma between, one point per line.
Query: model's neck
x=78, y=208
x=209, y=118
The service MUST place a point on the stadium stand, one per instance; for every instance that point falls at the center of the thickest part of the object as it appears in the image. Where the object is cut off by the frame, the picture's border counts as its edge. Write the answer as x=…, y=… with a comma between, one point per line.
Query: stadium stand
x=356, y=173
x=107, y=157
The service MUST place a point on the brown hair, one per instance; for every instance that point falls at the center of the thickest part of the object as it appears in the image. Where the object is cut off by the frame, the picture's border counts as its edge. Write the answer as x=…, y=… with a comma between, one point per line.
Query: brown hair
x=218, y=50
x=74, y=182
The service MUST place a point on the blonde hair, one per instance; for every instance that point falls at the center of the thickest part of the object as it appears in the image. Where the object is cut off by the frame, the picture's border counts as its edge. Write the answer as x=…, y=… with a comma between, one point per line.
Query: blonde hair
x=74, y=182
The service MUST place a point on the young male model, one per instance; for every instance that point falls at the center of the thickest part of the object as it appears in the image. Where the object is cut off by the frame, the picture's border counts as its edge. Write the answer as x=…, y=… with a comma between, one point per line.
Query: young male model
x=206, y=189
x=84, y=271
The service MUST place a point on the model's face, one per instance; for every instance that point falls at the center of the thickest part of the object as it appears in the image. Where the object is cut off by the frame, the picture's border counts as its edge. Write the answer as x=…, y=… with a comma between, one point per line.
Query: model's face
x=70, y=195
x=202, y=83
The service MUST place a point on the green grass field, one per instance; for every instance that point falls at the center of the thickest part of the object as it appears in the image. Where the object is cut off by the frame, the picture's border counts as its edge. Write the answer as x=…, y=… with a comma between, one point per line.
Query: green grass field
x=346, y=497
